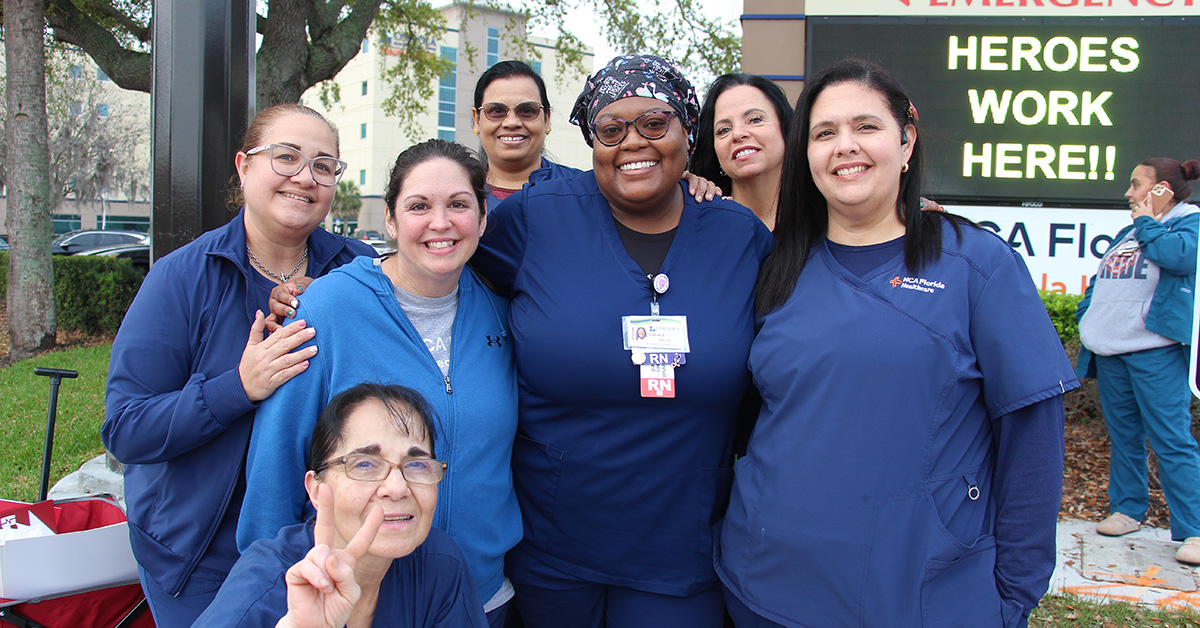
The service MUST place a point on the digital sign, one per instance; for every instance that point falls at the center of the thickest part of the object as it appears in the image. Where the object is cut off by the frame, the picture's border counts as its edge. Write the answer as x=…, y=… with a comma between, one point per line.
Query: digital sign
x=1030, y=110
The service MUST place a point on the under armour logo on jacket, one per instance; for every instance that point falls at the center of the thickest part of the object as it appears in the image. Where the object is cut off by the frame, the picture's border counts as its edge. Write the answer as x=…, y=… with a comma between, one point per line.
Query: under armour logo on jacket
x=493, y=341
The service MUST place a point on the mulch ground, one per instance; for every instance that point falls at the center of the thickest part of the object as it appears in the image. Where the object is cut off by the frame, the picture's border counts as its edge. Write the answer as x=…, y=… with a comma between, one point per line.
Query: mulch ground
x=1085, y=476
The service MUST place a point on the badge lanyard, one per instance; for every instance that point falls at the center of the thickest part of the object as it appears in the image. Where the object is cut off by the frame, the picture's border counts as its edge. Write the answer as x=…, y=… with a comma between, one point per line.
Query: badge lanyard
x=658, y=344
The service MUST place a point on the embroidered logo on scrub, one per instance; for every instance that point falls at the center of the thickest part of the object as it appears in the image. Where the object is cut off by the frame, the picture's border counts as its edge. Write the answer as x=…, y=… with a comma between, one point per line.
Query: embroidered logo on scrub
x=920, y=284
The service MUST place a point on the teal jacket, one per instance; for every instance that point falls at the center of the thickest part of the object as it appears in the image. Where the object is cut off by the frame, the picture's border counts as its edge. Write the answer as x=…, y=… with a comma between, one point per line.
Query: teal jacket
x=1172, y=246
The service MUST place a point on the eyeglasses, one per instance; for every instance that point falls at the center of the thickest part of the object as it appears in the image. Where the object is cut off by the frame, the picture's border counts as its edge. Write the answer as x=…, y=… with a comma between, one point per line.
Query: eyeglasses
x=288, y=162
x=497, y=112
x=367, y=468
x=651, y=125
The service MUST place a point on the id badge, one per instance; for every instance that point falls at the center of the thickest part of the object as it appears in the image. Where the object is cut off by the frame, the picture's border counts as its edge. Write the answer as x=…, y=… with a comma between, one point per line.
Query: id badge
x=654, y=334
x=658, y=380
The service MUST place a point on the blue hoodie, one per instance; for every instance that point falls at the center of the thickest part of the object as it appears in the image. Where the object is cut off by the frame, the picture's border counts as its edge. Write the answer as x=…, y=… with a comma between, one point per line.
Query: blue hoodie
x=175, y=410
x=363, y=335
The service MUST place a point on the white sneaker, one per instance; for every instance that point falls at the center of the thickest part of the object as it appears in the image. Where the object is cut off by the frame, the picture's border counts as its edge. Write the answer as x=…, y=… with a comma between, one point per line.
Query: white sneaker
x=1120, y=524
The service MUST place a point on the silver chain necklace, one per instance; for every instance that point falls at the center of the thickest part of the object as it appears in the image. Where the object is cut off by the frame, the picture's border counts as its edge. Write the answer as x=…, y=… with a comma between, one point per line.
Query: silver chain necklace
x=281, y=278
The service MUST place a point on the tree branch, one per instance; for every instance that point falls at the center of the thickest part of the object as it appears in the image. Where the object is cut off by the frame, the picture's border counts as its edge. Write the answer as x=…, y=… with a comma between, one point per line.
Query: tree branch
x=129, y=69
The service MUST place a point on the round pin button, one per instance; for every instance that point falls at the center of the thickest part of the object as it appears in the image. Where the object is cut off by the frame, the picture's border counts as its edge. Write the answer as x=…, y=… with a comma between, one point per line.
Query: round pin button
x=661, y=283
x=638, y=357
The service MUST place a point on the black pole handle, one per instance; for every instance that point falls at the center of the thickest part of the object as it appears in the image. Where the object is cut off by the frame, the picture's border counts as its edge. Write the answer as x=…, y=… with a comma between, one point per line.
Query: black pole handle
x=56, y=376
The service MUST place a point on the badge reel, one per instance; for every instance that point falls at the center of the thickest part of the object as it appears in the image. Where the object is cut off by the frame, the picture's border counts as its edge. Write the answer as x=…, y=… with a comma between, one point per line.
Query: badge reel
x=657, y=344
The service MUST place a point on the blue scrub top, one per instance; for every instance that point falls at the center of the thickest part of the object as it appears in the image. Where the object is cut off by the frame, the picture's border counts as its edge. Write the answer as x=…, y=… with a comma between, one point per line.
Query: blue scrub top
x=866, y=495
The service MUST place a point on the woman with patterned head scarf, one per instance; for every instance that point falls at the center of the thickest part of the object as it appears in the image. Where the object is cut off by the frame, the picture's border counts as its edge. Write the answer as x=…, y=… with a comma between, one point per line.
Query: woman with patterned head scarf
x=622, y=460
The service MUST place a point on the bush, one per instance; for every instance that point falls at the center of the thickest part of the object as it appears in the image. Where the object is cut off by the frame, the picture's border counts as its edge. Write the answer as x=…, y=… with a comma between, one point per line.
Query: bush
x=91, y=294
x=1061, y=308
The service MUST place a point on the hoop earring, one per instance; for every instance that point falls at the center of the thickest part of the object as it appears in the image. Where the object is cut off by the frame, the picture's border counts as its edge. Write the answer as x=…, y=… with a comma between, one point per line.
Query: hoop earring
x=904, y=168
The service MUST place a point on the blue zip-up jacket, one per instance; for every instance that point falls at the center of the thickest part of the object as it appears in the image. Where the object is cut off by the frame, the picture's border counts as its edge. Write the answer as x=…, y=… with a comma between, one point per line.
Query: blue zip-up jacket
x=175, y=410
x=1172, y=246
x=364, y=335
x=548, y=171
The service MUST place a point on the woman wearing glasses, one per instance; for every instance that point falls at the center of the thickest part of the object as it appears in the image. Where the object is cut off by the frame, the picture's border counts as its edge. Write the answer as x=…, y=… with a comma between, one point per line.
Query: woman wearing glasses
x=393, y=321
x=371, y=549
x=622, y=456
x=190, y=364
x=512, y=120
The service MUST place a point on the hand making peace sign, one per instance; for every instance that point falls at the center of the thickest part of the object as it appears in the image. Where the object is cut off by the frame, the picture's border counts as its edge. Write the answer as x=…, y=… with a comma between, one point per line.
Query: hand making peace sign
x=321, y=589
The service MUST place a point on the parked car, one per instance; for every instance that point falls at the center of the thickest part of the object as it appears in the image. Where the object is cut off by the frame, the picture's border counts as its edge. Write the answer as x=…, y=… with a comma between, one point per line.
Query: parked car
x=3, y=242
x=367, y=236
x=139, y=254
x=88, y=239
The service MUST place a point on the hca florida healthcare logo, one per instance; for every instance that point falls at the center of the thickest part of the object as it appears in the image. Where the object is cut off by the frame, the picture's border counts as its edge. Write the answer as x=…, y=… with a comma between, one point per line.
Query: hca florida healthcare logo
x=920, y=284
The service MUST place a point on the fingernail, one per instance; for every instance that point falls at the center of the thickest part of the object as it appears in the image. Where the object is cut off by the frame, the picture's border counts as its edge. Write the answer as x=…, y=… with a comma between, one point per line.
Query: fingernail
x=299, y=289
x=311, y=331
x=312, y=350
x=294, y=303
x=291, y=313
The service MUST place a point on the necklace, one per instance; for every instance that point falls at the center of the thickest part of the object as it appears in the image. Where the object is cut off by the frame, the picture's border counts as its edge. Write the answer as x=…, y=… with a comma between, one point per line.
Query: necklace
x=281, y=278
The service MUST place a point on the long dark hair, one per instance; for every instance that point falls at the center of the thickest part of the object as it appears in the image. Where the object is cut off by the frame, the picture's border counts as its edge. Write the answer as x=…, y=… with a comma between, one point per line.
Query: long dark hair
x=802, y=221
x=704, y=161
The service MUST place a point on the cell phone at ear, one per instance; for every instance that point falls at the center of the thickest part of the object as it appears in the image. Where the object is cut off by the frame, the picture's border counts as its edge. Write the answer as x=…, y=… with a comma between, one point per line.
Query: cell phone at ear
x=1159, y=196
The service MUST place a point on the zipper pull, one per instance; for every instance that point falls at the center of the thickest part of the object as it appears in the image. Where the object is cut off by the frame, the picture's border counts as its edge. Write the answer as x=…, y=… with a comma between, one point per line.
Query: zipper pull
x=972, y=486
x=448, y=388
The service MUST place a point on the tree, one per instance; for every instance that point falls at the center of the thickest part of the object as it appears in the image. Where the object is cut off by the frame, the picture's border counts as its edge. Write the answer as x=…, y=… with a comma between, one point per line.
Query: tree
x=31, y=316
x=346, y=201
x=306, y=42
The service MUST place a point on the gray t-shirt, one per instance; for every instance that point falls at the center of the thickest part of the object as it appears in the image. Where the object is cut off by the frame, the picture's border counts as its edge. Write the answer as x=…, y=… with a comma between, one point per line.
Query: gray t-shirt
x=434, y=320
x=1115, y=321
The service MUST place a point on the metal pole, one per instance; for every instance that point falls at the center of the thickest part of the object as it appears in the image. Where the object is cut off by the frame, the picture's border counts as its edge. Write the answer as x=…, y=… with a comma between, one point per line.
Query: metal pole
x=203, y=98
x=56, y=376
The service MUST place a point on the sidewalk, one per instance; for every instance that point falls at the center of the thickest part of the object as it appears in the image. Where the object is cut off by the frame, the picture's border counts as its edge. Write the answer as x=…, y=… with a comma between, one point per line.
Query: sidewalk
x=1136, y=568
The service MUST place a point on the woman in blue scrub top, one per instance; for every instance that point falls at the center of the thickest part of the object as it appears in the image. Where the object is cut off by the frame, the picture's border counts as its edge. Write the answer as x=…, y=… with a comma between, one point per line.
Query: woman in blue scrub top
x=621, y=463
x=1135, y=322
x=906, y=467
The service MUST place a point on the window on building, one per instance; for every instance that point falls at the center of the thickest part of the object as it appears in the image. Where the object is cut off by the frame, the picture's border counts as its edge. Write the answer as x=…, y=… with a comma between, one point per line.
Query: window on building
x=446, y=95
x=76, y=107
x=362, y=177
x=537, y=67
x=75, y=71
x=102, y=110
x=100, y=75
x=63, y=223
x=128, y=223
x=362, y=130
x=364, y=45
x=493, y=46
x=364, y=88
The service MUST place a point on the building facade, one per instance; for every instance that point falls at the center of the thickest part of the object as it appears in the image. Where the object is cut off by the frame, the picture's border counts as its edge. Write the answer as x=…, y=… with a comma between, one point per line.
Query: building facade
x=475, y=39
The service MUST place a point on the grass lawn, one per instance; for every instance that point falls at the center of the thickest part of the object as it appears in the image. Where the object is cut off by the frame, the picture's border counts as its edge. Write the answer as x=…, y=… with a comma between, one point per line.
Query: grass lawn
x=1057, y=610
x=24, y=399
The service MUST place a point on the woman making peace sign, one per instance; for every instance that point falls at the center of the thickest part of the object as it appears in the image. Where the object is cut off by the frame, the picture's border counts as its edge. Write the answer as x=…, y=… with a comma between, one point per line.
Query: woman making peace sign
x=371, y=558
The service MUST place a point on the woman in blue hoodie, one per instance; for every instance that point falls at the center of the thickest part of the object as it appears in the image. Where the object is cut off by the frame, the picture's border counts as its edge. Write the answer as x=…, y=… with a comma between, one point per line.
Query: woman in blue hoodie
x=1135, y=322
x=391, y=321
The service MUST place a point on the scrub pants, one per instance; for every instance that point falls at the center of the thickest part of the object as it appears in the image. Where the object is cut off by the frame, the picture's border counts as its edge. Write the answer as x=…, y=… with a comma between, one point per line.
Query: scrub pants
x=549, y=598
x=741, y=614
x=183, y=609
x=1145, y=394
